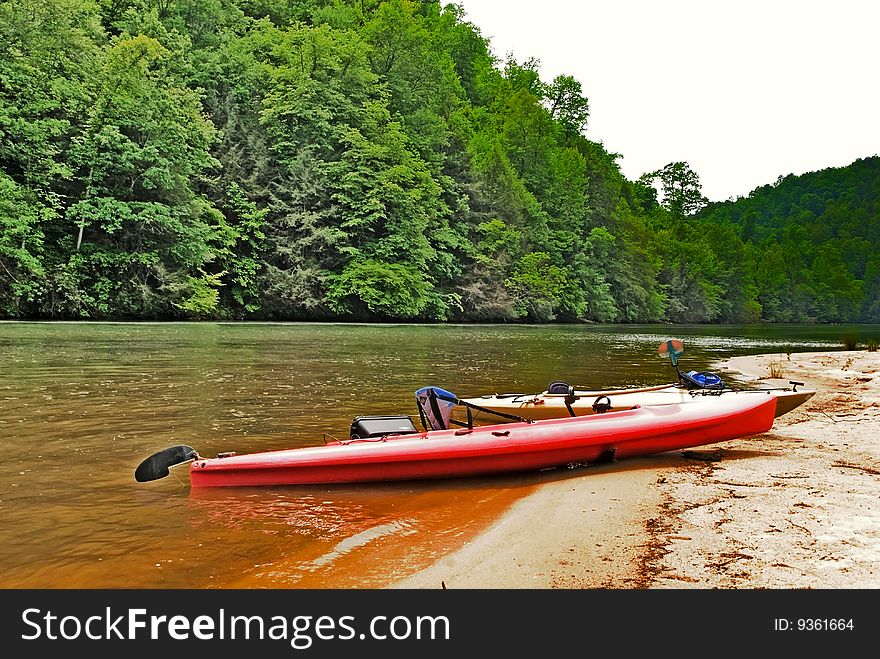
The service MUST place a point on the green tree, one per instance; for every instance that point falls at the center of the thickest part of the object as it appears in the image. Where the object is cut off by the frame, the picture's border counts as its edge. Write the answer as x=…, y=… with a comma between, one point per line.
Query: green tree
x=538, y=286
x=567, y=104
x=372, y=288
x=21, y=247
x=680, y=188
x=47, y=54
x=140, y=237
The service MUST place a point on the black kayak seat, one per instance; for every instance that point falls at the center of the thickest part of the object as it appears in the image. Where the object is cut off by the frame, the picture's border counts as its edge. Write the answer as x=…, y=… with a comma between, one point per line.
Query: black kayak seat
x=559, y=387
x=375, y=426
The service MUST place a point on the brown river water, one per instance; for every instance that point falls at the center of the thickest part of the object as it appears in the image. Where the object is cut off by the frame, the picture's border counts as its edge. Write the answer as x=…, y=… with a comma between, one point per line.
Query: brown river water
x=81, y=404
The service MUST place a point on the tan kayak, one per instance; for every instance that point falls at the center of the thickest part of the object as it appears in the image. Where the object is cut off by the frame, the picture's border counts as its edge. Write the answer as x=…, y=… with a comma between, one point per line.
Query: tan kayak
x=551, y=406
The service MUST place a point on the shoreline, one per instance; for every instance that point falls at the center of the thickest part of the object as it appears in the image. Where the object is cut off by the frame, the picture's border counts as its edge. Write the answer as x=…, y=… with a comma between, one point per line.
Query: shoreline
x=795, y=507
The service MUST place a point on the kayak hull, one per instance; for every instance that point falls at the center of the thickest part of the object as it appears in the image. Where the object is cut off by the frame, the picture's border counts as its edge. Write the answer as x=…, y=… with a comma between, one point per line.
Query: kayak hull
x=502, y=448
x=552, y=406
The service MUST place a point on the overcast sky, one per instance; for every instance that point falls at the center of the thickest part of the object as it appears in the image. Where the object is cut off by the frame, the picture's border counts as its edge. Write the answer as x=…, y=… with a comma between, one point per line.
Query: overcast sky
x=744, y=91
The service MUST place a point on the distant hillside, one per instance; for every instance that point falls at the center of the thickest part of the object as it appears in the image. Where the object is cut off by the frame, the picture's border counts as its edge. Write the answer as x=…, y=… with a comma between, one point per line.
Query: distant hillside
x=816, y=241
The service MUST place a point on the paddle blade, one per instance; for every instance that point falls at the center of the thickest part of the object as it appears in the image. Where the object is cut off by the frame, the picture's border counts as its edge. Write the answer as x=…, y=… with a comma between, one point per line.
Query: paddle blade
x=673, y=348
x=676, y=345
x=157, y=465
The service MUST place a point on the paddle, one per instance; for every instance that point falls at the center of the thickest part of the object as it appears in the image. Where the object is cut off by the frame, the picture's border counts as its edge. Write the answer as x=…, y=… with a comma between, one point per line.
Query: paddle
x=674, y=348
x=692, y=379
x=157, y=465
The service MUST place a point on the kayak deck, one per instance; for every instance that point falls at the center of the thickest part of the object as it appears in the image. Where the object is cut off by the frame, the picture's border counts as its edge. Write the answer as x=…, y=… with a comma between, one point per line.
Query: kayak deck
x=551, y=406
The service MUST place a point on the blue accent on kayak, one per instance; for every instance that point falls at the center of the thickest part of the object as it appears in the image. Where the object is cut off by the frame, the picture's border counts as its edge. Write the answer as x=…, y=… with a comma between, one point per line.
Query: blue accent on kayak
x=704, y=379
x=437, y=390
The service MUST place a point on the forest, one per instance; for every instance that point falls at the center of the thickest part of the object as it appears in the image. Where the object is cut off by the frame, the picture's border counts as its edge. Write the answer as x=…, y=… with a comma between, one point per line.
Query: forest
x=371, y=161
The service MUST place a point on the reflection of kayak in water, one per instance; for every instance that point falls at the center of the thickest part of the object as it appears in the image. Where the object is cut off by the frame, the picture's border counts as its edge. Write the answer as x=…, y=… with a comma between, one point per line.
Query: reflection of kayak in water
x=390, y=448
x=560, y=402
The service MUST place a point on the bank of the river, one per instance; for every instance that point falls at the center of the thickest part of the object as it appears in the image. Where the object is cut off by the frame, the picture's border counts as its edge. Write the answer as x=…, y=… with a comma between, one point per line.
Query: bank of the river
x=794, y=508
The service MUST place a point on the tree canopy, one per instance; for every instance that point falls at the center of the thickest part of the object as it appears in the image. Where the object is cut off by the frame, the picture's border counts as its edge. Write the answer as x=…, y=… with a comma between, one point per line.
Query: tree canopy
x=366, y=160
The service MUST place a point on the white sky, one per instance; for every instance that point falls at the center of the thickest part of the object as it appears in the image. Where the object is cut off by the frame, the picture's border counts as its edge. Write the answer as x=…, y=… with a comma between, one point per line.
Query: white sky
x=744, y=91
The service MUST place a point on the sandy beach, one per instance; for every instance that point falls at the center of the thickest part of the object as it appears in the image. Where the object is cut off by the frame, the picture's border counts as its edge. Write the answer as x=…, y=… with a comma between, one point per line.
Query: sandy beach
x=796, y=507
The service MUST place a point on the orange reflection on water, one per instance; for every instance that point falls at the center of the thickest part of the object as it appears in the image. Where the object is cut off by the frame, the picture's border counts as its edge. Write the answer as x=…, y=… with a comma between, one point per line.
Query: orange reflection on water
x=352, y=536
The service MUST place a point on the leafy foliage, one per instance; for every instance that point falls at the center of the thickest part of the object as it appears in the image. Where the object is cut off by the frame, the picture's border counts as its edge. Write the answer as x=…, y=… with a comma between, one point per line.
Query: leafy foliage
x=340, y=159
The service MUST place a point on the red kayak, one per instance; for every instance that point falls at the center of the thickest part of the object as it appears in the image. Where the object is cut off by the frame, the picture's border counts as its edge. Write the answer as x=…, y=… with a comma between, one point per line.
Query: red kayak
x=494, y=449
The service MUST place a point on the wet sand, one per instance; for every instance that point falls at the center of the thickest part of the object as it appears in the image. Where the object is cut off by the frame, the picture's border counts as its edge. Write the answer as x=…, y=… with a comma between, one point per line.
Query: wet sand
x=796, y=507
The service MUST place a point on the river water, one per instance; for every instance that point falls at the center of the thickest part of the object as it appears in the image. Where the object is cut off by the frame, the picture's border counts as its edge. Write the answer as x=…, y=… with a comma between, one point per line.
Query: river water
x=81, y=404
